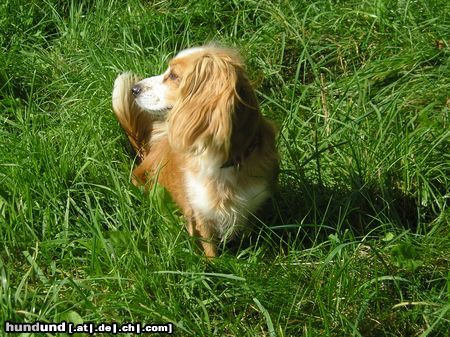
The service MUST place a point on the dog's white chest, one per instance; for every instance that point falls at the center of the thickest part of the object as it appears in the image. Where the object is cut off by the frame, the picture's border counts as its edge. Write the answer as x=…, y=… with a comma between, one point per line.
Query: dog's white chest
x=224, y=200
x=198, y=193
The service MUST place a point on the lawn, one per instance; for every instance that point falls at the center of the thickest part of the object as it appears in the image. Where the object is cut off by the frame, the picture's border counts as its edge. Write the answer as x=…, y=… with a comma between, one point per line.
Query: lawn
x=356, y=240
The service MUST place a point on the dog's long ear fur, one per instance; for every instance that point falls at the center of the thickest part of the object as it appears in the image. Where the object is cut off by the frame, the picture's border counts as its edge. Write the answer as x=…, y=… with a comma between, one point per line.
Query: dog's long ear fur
x=217, y=105
x=202, y=116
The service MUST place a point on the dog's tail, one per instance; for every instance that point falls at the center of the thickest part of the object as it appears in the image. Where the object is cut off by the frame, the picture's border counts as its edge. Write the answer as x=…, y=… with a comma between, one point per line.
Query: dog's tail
x=136, y=123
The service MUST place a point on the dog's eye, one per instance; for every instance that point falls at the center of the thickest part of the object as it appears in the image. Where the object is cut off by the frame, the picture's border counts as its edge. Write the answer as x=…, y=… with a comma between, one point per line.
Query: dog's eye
x=172, y=76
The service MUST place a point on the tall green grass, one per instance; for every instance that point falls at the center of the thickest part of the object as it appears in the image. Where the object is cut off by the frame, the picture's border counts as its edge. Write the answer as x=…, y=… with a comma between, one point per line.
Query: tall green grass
x=356, y=240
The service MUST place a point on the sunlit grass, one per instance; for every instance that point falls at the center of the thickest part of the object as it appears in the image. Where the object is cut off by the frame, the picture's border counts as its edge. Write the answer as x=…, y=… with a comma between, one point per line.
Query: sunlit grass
x=355, y=241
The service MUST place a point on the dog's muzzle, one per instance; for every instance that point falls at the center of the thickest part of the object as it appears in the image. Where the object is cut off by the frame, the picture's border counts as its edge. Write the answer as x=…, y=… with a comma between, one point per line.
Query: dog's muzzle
x=136, y=90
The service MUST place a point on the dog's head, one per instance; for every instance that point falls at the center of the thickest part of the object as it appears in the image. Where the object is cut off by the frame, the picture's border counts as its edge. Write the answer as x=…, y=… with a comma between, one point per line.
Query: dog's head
x=207, y=99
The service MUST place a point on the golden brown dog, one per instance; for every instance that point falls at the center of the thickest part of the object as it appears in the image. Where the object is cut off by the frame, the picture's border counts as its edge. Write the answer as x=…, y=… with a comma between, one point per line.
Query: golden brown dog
x=199, y=133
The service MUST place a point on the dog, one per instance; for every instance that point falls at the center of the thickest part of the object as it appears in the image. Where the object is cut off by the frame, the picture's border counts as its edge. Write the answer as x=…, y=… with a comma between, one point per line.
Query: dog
x=199, y=133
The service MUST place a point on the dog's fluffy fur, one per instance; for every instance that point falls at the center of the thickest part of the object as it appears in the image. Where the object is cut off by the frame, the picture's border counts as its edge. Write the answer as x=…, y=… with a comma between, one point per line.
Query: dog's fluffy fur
x=199, y=133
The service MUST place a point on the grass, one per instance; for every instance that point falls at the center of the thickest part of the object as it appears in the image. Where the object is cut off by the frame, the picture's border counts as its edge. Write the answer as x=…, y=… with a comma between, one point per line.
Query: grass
x=356, y=240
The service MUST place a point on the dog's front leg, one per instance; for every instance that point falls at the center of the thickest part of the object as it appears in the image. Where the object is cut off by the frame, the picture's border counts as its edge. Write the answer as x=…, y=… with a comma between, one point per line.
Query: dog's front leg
x=203, y=230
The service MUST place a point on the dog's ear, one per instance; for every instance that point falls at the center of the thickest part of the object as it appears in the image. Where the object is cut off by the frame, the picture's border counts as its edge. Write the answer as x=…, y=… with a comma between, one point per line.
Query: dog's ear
x=217, y=108
x=202, y=117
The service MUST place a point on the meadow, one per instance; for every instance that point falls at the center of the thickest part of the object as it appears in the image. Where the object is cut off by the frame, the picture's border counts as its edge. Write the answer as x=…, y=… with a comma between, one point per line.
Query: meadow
x=355, y=241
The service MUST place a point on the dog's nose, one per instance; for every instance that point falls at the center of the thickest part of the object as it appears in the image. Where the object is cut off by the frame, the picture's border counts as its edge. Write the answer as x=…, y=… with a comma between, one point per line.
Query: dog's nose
x=136, y=90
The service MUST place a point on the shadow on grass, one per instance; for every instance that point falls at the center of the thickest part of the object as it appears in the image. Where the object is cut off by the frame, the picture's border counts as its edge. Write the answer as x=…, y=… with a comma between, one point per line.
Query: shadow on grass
x=303, y=214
